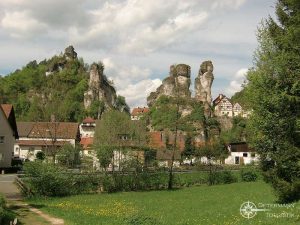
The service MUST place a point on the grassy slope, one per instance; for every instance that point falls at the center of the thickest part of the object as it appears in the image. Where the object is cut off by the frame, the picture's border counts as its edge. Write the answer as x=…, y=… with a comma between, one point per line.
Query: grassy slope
x=197, y=205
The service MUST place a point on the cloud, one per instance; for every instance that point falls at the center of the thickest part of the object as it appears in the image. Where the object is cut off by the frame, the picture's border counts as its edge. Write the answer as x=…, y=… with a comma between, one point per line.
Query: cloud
x=236, y=84
x=131, y=81
x=136, y=94
x=20, y=24
x=130, y=26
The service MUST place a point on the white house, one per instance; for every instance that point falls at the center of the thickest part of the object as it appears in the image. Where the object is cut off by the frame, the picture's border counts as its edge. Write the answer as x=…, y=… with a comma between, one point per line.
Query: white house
x=44, y=136
x=137, y=113
x=223, y=106
x=8, y=134
x=237, y=110
x=241, y=154
x=87, y=127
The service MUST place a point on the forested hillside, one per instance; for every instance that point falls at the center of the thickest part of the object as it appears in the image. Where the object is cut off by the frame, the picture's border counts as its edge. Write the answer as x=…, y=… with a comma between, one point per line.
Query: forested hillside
x=53, y=86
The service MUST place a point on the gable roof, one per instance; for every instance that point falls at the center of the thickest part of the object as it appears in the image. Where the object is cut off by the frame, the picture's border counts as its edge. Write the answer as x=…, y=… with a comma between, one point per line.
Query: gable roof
x=219, y=99
x=240, y=147
x=9, y=113
x=61, y=130
x=89, y=120
x=138, y=111
x=7, y=109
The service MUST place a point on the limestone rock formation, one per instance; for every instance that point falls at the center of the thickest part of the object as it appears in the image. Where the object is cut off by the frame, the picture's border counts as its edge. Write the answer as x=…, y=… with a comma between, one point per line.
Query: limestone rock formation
x=203, y=82
x=177, y=84
x=70, y=53
x=100, y=89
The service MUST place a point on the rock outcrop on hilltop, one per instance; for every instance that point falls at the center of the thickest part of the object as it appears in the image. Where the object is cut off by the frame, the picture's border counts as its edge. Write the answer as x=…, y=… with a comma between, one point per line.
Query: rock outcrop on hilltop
x=203, y=83
x=100, y=89
x=70, y=53
x=176, y=84
x=60, y=62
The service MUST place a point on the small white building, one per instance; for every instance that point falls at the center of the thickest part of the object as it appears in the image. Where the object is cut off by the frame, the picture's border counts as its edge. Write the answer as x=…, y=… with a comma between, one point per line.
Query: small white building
x=44, y=136
x=137, y=113
x=237, y=110
x=87, y=127
x=241, y=154
x=223, y=106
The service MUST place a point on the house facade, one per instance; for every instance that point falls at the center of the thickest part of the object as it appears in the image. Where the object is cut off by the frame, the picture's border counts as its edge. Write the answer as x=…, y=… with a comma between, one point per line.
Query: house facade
x=44, y=136
x=224, y=107
x=137, y=113
x=237, y=110
x=241, y=154
x=87, y=127
x=8, y=134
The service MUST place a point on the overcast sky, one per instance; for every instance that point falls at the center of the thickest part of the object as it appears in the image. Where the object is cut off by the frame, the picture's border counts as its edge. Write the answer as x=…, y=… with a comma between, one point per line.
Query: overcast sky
x=137, y=40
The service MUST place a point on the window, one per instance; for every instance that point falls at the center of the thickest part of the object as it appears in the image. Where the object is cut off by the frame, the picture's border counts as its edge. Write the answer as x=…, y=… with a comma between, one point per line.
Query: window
x=1, y=139
x=245, y=155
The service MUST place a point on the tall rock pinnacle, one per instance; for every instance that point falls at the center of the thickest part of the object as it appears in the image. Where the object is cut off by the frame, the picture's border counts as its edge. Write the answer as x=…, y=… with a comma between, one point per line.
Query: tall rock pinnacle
x=176, y=84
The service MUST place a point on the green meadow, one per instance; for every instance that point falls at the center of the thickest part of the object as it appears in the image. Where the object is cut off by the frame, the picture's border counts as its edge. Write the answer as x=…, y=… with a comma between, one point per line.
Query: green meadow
x=207, y=205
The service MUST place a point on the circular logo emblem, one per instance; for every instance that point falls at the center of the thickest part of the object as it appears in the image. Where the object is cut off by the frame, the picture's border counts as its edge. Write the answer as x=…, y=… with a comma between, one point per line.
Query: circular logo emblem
x=248, y=210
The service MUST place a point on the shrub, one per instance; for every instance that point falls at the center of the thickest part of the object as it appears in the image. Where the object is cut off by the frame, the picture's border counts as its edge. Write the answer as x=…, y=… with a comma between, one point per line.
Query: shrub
x=249, y=175
x=286, y=191
x=134, y=181
x=51, y=180
x=47, y=179
x=221, y=177
x=40, y=156
x=5, y=215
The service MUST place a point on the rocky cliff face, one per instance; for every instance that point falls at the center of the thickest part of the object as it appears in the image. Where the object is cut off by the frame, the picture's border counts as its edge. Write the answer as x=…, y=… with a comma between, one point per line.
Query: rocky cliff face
x=177, y=84
x=100, y=88
x=203, y=83
x=70, y=53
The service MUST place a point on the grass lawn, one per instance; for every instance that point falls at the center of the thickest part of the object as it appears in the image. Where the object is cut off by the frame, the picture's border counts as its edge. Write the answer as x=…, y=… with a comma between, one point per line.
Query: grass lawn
x=205, y=205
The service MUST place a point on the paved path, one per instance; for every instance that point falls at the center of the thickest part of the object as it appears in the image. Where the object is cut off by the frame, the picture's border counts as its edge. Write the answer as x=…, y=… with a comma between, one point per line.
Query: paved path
x=8, y=188
x=13, y=196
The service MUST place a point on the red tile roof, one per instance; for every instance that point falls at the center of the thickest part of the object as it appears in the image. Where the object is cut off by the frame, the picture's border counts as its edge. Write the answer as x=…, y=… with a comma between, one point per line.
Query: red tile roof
x=157, y=141
x=62, y=130
x=88, y=120
x=7, y=109
x=86, y=142
x=139, y=111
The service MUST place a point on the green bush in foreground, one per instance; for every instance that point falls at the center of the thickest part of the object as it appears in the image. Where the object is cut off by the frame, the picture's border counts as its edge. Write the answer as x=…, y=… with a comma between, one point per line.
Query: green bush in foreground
x=5, y=215
x=221, y=177
x=248, y=175
x=51, y=180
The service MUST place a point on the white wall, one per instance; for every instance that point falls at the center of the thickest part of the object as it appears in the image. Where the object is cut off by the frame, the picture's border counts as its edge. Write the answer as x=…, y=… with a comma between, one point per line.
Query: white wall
x=231, y=159
x=87, y=131
x=7, y=147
